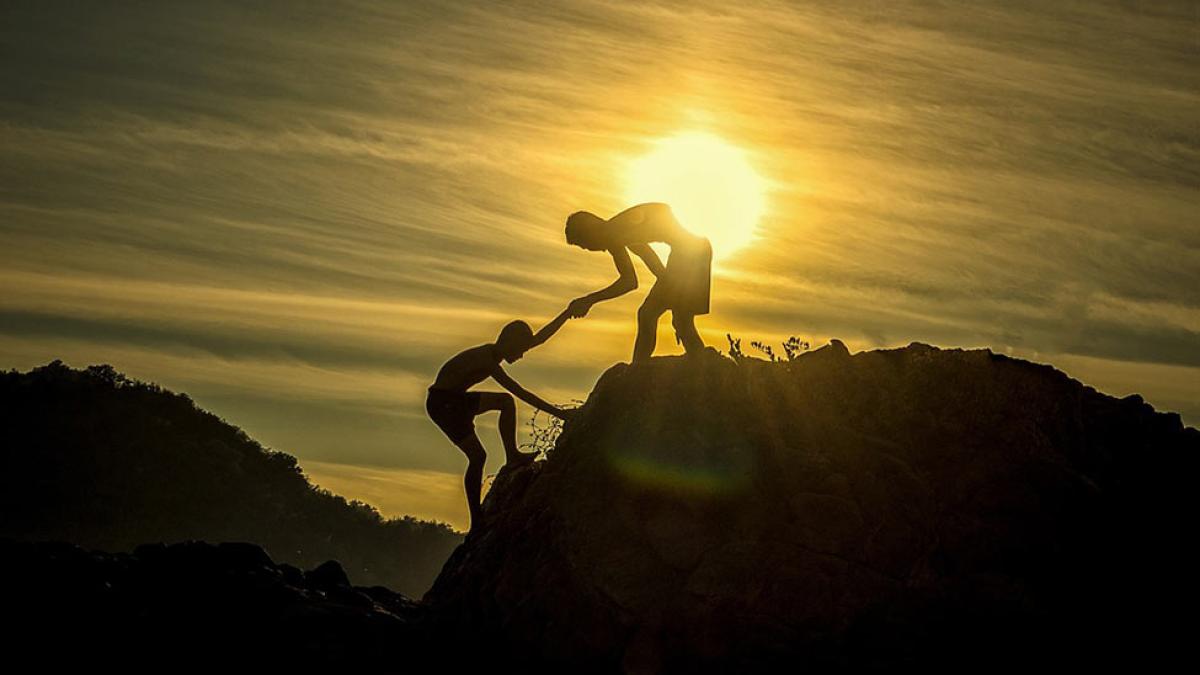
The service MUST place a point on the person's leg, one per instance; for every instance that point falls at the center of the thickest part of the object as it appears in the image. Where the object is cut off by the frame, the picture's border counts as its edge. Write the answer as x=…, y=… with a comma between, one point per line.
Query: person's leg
x=489, y=400
x=647, y=327
x=686, y=333
x=473, y=480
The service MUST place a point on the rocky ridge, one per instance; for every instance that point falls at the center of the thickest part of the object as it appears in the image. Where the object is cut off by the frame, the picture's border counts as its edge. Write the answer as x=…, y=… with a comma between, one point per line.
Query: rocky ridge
x=837, y=511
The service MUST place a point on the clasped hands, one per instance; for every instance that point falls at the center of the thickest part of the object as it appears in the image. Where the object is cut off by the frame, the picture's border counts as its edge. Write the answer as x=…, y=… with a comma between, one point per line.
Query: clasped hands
x=579, y=307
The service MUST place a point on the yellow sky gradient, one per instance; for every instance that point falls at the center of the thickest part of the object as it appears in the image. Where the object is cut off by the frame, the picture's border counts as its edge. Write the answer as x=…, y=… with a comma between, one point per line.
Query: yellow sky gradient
x=294, y=214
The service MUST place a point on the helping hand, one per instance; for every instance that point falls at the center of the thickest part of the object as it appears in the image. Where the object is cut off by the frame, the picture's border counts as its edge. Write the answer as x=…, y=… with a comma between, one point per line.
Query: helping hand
x=579, y=307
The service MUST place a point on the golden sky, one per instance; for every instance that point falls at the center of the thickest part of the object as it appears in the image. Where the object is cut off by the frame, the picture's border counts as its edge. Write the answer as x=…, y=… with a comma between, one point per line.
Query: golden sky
x=295, y=211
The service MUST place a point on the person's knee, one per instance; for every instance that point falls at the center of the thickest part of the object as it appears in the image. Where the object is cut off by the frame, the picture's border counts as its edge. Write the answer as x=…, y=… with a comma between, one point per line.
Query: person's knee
x=507, y=404
x=649, y=312
x=475, y=453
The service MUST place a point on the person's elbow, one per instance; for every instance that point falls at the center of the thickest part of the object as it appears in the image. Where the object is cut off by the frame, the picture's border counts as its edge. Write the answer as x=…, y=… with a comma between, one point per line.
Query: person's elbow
x=627, y=284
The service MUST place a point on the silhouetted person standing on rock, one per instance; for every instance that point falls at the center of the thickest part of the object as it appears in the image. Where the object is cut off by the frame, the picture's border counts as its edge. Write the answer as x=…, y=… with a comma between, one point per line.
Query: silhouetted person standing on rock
x=453, y=408
x=682, y=285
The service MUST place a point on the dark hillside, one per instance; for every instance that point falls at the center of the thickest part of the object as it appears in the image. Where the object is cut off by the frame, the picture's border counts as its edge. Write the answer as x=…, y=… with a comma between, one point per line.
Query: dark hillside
x=96, y=459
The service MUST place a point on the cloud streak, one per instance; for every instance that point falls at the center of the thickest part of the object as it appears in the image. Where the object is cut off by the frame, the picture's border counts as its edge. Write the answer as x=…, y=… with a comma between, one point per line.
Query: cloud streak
x=296, y=212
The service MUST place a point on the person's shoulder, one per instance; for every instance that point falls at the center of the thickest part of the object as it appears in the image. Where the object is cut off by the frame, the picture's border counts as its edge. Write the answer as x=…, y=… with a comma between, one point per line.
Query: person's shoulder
x=659, y=206
x=643, y=214
x=652, y=208
x=660, y=212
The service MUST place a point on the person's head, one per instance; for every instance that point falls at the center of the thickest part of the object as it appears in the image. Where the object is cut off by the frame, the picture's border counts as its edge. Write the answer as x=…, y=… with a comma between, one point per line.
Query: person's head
x=515, y=339
x=586, y=230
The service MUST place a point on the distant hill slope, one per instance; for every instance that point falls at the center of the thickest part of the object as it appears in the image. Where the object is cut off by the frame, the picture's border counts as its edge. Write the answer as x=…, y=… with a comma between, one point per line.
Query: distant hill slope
x=93, y=458
x=941, y=509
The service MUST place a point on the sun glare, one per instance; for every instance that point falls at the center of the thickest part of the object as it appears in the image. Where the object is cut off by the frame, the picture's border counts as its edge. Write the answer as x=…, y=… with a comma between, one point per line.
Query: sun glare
x=709, y=185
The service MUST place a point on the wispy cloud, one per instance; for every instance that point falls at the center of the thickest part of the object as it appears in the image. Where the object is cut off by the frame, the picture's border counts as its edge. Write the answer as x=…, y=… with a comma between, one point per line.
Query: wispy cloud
x=296, y=213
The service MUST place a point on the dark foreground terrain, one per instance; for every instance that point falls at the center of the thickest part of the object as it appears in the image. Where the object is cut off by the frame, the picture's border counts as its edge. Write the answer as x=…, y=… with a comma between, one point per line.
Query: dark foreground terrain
x=196, y=606
x=937, y=509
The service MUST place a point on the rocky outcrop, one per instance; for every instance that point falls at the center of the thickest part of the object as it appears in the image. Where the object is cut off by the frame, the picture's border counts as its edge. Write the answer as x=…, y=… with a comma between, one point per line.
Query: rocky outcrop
x=891, y=508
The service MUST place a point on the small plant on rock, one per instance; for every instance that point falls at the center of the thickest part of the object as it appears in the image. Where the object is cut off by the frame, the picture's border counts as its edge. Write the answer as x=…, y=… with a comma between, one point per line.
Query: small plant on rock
x=544, y=430
x=735, y=348
x=766, y=349
x=793, y=347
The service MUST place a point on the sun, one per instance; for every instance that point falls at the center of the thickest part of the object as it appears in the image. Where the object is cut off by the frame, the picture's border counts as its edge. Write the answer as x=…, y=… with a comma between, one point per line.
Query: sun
x=712, y=189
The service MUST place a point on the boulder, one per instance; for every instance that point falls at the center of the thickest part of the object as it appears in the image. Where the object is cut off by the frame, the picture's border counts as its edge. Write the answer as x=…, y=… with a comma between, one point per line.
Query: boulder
x=882, y=509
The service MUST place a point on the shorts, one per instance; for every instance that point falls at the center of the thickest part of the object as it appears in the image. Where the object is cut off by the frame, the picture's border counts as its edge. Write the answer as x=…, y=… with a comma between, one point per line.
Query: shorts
x=684, y=288
x=453, y=411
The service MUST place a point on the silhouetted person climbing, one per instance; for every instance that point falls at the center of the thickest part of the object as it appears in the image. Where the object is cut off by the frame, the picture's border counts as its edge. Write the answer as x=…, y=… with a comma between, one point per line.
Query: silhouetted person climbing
x=682, y=285
x=453, y=408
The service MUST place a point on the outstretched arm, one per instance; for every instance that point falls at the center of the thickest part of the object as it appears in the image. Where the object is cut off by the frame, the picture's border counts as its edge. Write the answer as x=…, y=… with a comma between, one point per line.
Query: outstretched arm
x=506, y=381
x=551, y=328
x=626, y=281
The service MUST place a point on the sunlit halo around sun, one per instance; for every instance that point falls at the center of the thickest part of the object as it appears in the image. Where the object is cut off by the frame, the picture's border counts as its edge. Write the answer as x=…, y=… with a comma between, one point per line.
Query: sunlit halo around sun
x=711, y=188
